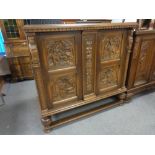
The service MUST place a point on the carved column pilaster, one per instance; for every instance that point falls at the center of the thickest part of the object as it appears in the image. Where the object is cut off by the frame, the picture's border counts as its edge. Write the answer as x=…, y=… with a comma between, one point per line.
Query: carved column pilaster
x=37, y=70
x=130, y=41
x=33, y=49
x=129, y=50
x=122, y=97
x=134, y=62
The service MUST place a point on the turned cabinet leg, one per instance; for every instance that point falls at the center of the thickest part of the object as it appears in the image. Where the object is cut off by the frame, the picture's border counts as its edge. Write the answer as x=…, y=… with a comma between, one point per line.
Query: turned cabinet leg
x=122, y=97
x=46, y=121
x=128, y=97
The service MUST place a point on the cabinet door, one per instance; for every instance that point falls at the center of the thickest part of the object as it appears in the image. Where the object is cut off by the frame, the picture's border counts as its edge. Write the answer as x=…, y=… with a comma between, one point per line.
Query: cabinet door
x=144, y=61
x=60, y=59
x=111, y=58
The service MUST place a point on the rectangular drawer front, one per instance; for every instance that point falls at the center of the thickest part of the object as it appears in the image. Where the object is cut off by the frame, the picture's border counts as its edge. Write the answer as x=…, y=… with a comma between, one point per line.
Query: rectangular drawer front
x=25, y=60
x=17, y=49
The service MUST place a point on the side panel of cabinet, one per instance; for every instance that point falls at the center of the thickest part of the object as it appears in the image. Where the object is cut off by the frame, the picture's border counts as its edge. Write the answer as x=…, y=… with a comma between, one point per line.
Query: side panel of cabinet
x=60, y=58
x=144, y=61
x=111, y=57
x=152, y=74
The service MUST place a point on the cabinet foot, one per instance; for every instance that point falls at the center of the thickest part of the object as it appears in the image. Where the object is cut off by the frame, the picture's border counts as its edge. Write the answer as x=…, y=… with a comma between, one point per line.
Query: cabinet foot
x=128, y=97
x=122, y=97
x=47, y=130
x=46, y=121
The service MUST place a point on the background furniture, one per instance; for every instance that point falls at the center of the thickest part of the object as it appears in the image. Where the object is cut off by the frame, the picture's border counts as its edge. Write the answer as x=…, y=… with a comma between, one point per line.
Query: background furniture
x=4, y=66
x=141, y=74
x=19, y=59
x=1, y=86
x=17, y=50
x=78, y=64
x=2, y=47
x=4, y=70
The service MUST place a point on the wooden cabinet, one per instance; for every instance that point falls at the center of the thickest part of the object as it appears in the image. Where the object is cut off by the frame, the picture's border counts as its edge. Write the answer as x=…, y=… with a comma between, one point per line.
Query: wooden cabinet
x=142, y=65
x=20, y=67
x=77, y=65
x=17, y=49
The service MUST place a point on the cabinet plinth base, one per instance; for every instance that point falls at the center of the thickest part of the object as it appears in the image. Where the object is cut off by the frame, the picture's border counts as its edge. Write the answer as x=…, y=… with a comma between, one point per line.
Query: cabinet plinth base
x=50, y=124
x=142, y=88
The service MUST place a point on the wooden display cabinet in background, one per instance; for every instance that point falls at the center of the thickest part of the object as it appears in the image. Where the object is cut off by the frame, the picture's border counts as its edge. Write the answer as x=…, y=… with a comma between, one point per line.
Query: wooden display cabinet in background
x=1, y=83
x=141, y=73
x=17, y=50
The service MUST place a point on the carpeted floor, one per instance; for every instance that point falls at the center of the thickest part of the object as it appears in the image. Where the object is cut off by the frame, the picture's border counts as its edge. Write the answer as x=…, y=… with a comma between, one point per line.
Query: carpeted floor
x=21, y=115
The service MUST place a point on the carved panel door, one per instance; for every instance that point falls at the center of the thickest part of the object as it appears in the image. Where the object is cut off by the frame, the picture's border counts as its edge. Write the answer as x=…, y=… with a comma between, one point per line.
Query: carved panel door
x=110, y=59
x=60, y=57
x=144, y=58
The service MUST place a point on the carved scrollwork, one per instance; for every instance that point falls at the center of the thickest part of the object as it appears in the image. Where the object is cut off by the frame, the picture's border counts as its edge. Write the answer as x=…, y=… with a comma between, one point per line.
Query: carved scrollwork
x=136, y=48
x=60, y=53
x=142, y=69
x=88, y=49
x=144, y=49
x=33, y=51
x=64, y=87
x=111, y=48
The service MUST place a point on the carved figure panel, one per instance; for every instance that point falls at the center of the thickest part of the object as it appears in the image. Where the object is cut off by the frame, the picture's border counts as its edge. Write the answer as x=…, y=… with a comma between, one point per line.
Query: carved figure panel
x=111, y=47
x=61, y=53
x=109, y=77
x=142, y=69
x=64, y=87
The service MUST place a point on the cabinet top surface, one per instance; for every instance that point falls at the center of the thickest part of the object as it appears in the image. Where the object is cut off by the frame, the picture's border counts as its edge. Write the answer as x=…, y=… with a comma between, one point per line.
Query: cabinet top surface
x=71, y=27
x=143, y=32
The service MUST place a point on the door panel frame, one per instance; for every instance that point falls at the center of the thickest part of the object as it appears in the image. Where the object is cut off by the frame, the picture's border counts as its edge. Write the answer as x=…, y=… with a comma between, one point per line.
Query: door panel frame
x=77, y=68
x=115, y=62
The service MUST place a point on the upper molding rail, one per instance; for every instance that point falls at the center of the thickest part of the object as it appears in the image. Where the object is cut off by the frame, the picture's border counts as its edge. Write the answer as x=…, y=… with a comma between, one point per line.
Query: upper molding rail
x=71, y=27
x=141, y=32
